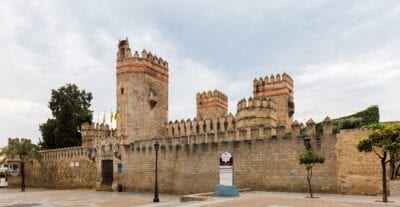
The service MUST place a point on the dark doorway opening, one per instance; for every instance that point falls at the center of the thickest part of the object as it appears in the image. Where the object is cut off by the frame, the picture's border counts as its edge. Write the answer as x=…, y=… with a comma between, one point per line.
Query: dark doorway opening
x=107, y=172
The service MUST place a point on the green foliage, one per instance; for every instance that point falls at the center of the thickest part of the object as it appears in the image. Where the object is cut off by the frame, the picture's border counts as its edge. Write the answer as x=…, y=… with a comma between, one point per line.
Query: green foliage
x=386, y=137
x=22, y=149
x=366, y=117
x=70, y=108
x=310, y=157
x=383, y=140
x=2, y=175
x=348, y=123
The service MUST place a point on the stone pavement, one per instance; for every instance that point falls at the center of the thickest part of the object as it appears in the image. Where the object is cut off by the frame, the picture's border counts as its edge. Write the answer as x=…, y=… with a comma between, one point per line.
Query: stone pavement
x=47, y=198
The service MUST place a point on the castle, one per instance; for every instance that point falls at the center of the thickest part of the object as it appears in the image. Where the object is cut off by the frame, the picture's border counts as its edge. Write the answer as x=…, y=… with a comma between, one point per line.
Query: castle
x=262, y=137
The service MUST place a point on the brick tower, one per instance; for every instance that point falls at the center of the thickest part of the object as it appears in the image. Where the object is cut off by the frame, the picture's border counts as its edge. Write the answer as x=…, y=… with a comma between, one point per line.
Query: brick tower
x=211, y=104
x=142, y=94
x=280, y=89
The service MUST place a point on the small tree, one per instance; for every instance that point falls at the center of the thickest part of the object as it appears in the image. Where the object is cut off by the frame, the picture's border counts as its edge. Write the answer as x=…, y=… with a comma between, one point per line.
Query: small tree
x=309, y=159
x=25, y=151
x=384, y=141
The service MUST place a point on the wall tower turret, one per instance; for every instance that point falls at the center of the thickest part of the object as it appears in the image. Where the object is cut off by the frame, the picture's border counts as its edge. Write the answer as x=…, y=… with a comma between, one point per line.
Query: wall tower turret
x=211, y=104
x=142, y=94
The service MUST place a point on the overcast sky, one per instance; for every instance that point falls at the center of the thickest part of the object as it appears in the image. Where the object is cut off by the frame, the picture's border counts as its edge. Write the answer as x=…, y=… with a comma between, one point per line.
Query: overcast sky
x=343, y=55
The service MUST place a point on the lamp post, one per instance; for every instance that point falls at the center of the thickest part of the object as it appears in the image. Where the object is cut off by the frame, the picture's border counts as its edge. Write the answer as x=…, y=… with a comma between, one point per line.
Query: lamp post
x=156, y=147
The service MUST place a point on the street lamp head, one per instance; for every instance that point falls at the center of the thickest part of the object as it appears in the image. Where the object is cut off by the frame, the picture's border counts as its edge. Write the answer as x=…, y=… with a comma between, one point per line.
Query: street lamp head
x=156, y=146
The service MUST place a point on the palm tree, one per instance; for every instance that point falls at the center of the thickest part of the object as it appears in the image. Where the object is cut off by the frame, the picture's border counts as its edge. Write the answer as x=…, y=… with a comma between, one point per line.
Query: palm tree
x=23, y=150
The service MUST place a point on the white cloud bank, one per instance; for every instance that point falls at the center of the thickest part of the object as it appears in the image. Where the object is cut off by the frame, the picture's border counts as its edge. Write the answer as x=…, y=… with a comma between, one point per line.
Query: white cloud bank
x=343, y=57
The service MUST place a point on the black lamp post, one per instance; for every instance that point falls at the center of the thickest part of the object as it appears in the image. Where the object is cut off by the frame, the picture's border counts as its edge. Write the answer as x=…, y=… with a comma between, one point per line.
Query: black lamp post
x=156, y=147
x=307, y=142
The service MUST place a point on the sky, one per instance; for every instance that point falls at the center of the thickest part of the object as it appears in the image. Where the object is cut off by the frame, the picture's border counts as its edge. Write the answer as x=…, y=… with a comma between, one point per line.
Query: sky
x=343, y=55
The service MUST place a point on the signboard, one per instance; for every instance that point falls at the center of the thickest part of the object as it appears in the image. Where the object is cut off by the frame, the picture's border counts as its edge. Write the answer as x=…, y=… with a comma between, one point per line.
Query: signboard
x=119, y=167
x=226, y=169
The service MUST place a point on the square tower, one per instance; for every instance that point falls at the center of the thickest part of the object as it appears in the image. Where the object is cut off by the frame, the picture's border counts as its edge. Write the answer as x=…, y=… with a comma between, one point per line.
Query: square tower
x=280, y=89
x=211, y=104
x=142, y=94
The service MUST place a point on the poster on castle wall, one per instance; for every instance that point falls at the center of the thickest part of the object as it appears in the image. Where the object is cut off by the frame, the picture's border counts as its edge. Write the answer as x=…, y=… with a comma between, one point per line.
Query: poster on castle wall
x=226, y=169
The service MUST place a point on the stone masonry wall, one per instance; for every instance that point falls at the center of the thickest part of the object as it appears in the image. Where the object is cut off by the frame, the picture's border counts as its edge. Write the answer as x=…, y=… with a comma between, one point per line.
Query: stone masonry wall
x=267, y=162
x=260, y=163
x=61, y=169
x=358, y=173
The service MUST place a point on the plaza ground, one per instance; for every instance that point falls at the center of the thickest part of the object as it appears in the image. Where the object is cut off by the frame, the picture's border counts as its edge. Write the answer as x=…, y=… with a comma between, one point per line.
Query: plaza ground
x=77, y=198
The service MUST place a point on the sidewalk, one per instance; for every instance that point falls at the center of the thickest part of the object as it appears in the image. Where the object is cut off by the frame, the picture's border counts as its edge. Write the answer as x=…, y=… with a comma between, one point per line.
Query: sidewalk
x=77, y=198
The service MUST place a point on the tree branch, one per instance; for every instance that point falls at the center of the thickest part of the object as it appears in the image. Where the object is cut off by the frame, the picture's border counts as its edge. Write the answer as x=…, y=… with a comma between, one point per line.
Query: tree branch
x=377, y=153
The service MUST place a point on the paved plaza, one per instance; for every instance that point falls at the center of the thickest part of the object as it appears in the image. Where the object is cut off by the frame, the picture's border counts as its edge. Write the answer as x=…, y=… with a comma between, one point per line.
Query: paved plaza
x=77, y=198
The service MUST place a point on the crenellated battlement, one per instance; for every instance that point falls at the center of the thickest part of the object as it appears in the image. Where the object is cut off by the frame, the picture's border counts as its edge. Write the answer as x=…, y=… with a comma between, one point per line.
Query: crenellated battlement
x=211, y=94
x=252, y=103
x=124, y=55
x=272, y=80
x=211, y=104
x=256, y=112
x=144, y=62
x=68, y=153
x=90, y=131
x=200, y=126
x=223, y=130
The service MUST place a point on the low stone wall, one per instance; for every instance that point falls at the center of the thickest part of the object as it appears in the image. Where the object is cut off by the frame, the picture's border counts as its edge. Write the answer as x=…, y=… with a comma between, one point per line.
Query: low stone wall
x=61, y=169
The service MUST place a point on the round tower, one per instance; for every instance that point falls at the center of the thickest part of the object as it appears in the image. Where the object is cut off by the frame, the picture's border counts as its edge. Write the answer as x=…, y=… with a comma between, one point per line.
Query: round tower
x=142, y=94
x=256, y=112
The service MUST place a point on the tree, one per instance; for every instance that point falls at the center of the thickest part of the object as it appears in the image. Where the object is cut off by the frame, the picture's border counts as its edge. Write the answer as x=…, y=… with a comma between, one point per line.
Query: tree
x=384, y=141
x=24, y=150
x=70, y=108
x=309, y=159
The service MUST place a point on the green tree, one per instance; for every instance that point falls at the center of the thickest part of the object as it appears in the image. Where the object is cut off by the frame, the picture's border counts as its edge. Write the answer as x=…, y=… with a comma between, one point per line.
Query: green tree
x=309, y=159
x=23, y=150
x=384, y=141
x=70, y=108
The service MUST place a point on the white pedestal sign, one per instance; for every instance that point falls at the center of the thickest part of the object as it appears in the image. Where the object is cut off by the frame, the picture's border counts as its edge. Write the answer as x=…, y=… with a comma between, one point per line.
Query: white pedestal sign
x=226, y=169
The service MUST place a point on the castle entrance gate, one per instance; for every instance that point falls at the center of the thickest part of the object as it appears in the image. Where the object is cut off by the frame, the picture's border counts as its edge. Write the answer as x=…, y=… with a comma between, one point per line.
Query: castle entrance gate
x=107, y=172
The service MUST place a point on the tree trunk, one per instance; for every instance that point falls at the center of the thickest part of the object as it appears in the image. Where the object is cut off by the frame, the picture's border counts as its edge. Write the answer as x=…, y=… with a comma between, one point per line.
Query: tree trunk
x=397, y=171
x=383, y=165
x=309, y=176
x=392, y=167
x=22, y=177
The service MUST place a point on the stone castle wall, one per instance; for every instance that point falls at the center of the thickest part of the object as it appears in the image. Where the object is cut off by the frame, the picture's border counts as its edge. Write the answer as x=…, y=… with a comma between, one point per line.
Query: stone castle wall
x=358, y=173
x=190, y=164
x=61, y=169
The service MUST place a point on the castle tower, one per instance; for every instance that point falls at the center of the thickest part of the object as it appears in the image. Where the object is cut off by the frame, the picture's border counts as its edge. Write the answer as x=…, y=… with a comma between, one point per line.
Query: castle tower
x=211, y=104
x=142, y=94
x=258, y=111
x=280, y=89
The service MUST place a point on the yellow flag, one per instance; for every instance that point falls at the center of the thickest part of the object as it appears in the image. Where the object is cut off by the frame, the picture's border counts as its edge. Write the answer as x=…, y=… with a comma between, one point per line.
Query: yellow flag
x=116, y=116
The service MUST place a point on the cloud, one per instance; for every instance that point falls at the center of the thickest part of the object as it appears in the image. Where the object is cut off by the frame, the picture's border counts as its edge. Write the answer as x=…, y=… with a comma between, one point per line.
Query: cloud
x=342, y=88
x=343, y=56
